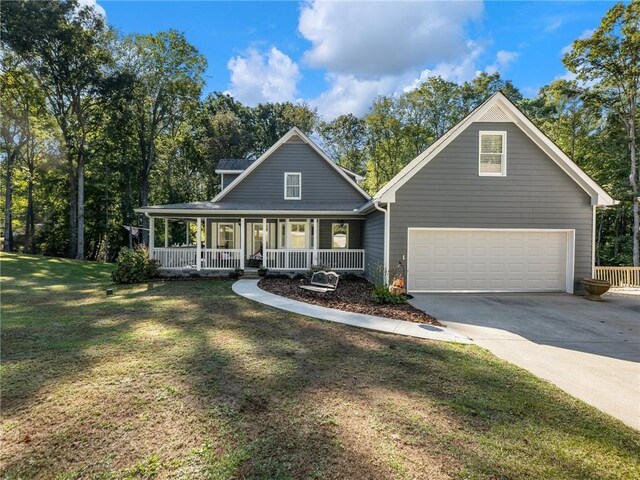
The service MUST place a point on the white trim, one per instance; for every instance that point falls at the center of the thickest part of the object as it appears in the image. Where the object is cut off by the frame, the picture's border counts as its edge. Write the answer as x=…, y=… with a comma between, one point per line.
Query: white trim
x=593, y=243
x=357, y=177
x=199, y=244
x=598, y=195
x=346, y=246
x=166, y=233
x=278, y=144
x=152, y=239
x=230, y=172
x=387, y=243
x=503, y=162
x=265, y=238
x=293, y=174
x=316, y=239
x=569, y=264
x=243, y=248
x=193, y=213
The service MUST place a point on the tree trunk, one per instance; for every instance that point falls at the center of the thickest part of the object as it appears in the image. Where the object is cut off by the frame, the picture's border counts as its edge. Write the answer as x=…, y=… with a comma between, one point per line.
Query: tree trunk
x=29, y=237
x=80, y=206
x=8, y=200
x=633, y=180
x=144, y=189
x=73, y=211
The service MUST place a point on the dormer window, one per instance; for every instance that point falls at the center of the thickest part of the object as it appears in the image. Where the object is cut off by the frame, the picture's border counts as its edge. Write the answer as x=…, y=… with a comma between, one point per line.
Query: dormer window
x=292, y=186
x=493, y=154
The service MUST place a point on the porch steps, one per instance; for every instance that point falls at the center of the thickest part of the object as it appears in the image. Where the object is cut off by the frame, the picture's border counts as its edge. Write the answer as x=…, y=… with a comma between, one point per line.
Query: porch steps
x=250, y=275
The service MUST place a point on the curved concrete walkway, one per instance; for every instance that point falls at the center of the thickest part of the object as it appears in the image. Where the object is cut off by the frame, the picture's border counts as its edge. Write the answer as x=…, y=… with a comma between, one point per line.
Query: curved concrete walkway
x=249, y=289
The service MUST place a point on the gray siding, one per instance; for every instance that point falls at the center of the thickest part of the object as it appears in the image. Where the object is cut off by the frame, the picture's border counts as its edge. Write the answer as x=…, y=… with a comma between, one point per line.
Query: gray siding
x=227, y=178
x=536, y=193
x=373, y=243
x=321, y=184
x=355, y=233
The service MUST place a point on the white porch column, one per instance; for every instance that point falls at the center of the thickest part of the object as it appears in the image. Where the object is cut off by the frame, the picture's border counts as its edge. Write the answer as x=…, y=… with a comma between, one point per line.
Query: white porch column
x=166, y=232
x=151, y=236
x=242, y=248
x=287, y=243
x=199, y=244
x=316, y=239
x=264, y=236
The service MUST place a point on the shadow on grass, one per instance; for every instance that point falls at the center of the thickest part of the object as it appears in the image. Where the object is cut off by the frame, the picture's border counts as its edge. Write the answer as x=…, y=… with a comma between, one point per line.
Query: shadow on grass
x=300, y=398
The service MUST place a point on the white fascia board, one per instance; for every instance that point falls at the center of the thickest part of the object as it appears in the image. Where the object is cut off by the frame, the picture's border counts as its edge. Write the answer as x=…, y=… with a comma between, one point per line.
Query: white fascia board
x=274, y=147
x=199, y=212
x=387, y=193
x=598, y=195
x=234, y=172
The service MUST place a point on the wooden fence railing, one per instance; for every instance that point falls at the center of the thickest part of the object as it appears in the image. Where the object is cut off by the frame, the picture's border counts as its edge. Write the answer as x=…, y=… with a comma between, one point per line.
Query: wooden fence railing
x=619, y=276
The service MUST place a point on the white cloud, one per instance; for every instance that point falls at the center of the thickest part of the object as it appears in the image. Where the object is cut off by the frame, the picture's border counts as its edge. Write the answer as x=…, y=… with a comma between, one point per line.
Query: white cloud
x=552, y=26
x=373, y=39
x=93, y=3
x=348, y=94
x=503, y=59
x=263, y=77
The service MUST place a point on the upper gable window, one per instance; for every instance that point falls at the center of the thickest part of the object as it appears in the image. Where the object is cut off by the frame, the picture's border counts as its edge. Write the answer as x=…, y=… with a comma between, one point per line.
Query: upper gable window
x=292, y=186
x=493, y=154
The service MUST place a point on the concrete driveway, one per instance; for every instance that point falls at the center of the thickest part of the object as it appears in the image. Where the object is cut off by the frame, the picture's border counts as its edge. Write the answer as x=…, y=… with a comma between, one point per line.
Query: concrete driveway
x=589, y=349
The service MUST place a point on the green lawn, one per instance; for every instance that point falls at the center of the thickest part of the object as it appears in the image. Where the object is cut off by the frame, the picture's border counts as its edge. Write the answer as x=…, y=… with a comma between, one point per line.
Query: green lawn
x=187, y=380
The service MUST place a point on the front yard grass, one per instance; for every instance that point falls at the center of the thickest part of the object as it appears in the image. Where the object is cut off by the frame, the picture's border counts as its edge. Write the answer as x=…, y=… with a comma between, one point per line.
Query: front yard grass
x=187, y=380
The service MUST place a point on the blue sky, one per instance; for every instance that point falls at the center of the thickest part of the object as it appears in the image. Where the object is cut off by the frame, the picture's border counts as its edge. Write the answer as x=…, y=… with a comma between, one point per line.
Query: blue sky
x=338, y=56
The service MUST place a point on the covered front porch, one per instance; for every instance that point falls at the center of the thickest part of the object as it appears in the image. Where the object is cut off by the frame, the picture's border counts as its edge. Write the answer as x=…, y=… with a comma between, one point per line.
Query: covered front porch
x=280, y=244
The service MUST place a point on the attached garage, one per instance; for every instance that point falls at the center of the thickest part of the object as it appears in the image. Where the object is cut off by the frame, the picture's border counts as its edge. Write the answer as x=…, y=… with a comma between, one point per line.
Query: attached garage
x=490, y=260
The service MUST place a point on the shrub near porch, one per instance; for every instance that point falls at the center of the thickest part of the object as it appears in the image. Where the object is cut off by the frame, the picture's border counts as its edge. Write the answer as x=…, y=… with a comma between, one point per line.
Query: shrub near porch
x=187, y=380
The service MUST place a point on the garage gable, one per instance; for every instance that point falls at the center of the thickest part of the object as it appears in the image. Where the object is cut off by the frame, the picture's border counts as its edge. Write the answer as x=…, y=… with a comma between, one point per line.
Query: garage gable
x=496, y=113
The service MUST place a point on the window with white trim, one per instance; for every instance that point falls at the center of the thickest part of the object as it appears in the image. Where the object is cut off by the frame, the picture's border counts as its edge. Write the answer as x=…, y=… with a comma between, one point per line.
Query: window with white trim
x=292, y=186
x=493, y=154
x=339, y=235
x=297, y=234
x=226, y=235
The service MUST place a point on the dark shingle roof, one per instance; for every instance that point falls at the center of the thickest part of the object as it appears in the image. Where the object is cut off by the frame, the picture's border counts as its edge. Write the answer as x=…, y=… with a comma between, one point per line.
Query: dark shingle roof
x=234, y=164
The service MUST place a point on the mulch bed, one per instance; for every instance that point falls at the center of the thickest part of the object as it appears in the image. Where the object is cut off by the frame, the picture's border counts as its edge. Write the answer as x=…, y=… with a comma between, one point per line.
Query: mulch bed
x=353, y=295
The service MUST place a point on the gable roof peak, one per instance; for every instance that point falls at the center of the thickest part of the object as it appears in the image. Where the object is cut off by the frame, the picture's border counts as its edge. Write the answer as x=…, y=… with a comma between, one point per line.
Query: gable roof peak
x=598, y=195
x=293, y=131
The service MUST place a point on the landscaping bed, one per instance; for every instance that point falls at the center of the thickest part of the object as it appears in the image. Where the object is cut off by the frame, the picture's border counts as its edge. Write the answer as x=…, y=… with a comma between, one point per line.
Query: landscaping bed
x=353, y=295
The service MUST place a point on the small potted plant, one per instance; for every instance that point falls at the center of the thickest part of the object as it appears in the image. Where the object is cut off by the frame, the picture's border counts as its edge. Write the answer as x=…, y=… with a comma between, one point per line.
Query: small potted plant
x=262, y=271
x=398, y=286
x=239, y=272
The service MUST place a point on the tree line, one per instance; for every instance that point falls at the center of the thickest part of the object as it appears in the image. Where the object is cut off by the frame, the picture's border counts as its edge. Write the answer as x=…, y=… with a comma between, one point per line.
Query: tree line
x=94, y=124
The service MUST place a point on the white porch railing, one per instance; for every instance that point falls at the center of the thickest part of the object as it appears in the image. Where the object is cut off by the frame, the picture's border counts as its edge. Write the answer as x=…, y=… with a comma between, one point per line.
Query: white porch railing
x=343, y=259
x=303, y=259
x=174, y=258
x=288, y=259
x=221, y=259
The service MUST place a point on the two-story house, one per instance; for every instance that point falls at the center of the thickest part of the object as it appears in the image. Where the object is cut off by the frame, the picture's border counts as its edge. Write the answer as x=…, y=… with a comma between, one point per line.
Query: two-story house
x=492, y=206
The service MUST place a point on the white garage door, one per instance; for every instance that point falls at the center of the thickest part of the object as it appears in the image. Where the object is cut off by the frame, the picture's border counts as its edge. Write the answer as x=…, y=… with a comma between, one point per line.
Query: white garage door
x=474, y=260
